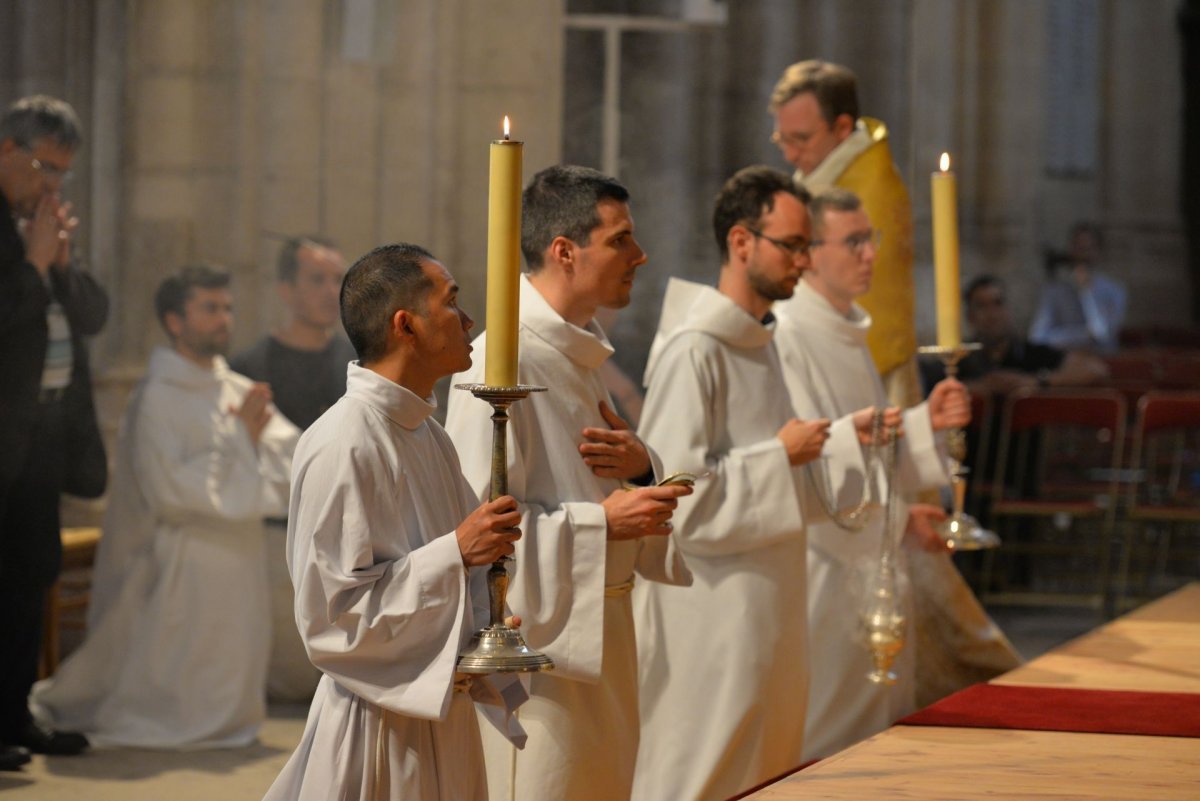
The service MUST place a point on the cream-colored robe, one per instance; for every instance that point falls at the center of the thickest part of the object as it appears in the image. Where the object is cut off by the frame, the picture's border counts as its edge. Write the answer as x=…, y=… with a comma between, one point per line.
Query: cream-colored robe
x=724, y=663
x=384, y=605
x=829, y=373
x=179, y=623
x=570, y=585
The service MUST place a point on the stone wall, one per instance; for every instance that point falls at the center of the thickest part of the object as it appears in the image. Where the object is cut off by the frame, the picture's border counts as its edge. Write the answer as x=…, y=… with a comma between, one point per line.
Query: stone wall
x=216, y=127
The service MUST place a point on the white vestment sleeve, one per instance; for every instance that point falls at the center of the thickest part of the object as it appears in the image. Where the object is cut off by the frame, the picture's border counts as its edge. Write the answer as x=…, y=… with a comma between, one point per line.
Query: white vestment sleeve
x=920, y=457
x=839, y=474
x=749, y=498
x=384, y=623
x=221, y=480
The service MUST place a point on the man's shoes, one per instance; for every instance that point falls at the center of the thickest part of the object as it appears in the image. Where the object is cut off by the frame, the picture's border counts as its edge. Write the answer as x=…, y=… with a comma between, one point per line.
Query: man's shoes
x=12, y=757
x=44, y=740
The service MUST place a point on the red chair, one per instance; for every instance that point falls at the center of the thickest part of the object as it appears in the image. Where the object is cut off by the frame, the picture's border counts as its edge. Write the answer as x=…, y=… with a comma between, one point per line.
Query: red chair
x=979, y=482
x=1055, y=498
x=1164, y=501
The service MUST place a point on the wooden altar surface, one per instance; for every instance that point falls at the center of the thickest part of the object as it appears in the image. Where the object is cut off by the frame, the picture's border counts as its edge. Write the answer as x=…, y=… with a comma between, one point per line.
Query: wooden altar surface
x=1155, y=648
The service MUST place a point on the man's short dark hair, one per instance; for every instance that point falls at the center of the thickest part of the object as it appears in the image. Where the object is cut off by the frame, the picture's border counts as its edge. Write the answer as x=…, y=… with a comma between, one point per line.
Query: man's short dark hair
x=832, y=199
x=562, y=201
x=745, y=198
x=387, y=279
x=173, y=293
x=835, y=87
x=981, y=282
x=41, y=117
x=289, y=263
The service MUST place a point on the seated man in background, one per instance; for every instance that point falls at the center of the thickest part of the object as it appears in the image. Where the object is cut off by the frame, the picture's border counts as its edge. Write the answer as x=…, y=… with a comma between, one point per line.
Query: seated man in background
x=1008, y=361
x=304, y=363
x=1080, y=308
x=178, y=626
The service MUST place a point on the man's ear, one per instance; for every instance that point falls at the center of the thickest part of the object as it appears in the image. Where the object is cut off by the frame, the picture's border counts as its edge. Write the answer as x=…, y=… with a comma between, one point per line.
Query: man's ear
x=562, y=252
x=173, y=322
x=403, y=328
x=843, y=126
x=738, y=240
x=286, y=291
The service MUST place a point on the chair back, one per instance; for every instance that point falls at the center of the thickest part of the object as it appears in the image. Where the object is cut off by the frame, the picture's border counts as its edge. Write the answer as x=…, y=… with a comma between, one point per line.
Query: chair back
x=1166, y=454
x=1061, y=444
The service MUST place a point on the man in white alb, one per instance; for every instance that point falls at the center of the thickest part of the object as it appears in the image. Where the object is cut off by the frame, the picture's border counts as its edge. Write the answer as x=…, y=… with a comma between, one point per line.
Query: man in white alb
x=179, y=623
x=586, y=530
x=385, y=542
x=822, y=341
x=723, y=663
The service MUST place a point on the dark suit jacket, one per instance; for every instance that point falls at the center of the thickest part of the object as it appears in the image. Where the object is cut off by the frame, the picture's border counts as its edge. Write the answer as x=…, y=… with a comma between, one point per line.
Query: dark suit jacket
x=24, y=337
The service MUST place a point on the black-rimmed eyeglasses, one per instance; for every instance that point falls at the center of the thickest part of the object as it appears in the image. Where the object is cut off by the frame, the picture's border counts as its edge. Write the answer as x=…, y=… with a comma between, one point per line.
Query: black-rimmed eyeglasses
x=795, y=249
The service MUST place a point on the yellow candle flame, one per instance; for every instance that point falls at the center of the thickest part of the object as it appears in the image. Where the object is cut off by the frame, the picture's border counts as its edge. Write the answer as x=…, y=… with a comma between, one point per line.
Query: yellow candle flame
x=945, y=156
x=506, y=126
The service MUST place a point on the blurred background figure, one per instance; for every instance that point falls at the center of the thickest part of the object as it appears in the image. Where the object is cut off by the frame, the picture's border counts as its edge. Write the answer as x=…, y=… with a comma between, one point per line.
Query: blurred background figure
x=47, y=306
x=1080, y=307
x=304, y=362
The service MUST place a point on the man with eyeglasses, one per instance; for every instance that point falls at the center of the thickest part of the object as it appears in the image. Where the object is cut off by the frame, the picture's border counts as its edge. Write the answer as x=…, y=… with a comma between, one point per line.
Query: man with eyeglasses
x=47, y=306
x=723, y=663
x=820, y=132
x=822, y=341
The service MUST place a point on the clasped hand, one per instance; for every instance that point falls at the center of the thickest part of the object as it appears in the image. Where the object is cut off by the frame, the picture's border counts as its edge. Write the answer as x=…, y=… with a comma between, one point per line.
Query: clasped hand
x=614, y=452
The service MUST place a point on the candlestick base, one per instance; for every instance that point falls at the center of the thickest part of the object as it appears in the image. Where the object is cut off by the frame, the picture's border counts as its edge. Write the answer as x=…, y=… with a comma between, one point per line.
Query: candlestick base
x=499, y=647
x=960, y=530
x=963, y=533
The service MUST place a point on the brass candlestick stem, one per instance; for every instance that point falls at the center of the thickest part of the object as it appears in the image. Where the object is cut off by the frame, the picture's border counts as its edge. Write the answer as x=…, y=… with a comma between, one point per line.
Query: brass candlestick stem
x=498, y=647
x=961, y=531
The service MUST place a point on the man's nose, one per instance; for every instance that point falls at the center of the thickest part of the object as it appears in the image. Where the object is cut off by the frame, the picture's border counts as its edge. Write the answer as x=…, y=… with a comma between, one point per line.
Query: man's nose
x=641, y=257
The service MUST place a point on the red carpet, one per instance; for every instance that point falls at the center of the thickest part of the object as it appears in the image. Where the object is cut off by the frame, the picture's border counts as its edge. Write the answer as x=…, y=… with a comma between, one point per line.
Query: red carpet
x=999, y=706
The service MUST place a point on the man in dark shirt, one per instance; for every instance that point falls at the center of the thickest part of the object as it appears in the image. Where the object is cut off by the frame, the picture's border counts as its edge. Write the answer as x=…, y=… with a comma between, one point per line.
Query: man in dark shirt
x=47, y=306
x=1008, y=361
x=304, y=361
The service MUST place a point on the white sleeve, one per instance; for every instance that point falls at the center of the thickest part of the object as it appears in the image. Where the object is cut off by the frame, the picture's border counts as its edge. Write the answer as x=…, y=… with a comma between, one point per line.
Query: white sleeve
x=220, y=480
x=387, y=628
x=749, y=499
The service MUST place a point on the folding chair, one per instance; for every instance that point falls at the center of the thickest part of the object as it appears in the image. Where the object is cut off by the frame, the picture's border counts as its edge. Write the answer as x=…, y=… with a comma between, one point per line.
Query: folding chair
x=1055, y=498
x=1164, y=501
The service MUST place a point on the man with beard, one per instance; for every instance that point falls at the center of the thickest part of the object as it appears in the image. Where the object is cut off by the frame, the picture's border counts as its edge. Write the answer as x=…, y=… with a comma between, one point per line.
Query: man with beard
x=723, y=664
x=586, y=530
x=178, y=627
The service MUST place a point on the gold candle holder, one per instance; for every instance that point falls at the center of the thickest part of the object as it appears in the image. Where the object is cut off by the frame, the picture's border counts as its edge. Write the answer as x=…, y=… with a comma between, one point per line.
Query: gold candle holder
x=961, y=531
x=498, y=647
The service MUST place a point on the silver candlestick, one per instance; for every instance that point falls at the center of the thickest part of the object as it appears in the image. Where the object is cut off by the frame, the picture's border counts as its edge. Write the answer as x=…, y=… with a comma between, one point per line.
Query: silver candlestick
x=499, y=647
x=961, y=531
